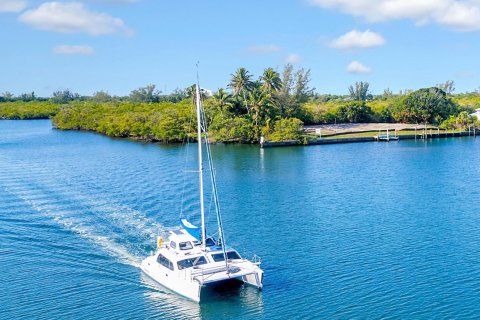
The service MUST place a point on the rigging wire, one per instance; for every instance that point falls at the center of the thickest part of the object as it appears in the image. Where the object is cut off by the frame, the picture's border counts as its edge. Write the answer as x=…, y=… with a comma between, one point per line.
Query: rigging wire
x=214, y=186
x=185, y=145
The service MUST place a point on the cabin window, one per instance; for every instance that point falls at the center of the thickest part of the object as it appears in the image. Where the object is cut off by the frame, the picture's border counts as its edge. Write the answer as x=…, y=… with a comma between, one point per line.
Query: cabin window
x=173, y=245
x=165, y=262
x=209, y=242
x=185, y=245
x=231, y=255
x=191, y=262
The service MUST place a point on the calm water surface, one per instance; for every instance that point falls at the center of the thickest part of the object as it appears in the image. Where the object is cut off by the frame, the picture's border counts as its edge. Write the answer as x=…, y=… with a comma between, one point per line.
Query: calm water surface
x=372, y=230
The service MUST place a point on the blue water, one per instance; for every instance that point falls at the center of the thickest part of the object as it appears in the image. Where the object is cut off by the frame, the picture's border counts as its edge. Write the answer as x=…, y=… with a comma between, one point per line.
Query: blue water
x=371, y=230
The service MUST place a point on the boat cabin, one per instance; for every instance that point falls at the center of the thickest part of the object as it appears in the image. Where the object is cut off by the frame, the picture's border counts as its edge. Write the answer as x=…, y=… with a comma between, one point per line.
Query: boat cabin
x=183, y=251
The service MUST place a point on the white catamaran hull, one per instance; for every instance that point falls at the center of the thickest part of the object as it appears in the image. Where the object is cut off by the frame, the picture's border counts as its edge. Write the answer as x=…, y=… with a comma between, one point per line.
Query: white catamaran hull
x=175, y=281
x=189, y=283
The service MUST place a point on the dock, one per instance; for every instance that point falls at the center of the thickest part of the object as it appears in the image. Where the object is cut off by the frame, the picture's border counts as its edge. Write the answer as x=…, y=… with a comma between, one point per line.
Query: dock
x=420, y=135
x=386, y=137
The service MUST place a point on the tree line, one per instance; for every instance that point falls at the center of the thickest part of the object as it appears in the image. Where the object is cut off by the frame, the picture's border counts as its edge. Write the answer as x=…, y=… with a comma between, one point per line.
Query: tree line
x=275, y=105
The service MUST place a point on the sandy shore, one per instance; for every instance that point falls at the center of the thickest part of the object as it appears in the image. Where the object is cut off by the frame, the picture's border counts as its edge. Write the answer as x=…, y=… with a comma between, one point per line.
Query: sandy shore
x=355, y=127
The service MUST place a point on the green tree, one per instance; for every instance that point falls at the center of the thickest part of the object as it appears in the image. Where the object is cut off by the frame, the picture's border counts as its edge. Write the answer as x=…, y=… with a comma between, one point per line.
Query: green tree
x=259, y=101
x=191, y=93
x=427, y=105
x=271, y=81
x=359, y=92
x=145, y=94
x=448, y=86
x=294, y=92
x=241, y=83
x=64, y=96
x=101, y=97
x=301, y=91
x=8, y=96
x=287, y=129
x=222, y=100
x=387, y=94
x=355, y=112
x=27, y=96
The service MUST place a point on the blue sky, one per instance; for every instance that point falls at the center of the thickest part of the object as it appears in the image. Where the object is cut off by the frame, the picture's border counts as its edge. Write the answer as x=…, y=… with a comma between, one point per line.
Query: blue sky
x=120, y=45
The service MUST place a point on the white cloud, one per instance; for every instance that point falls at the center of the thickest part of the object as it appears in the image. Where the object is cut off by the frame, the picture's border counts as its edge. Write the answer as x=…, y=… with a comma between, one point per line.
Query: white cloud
x=293, y=58
x=358, y=68
x=263, y=49
x=461, y=15
x=12, y=5
x=76, y=49
x=357, y=39
x=72, y=17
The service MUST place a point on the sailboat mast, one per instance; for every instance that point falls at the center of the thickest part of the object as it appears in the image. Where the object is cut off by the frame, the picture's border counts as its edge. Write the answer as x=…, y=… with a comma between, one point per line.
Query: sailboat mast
x=200, y=165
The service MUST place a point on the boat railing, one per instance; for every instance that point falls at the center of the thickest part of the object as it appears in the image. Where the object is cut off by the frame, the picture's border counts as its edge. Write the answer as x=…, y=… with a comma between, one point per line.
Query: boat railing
x=256, y=260
x=206, y=271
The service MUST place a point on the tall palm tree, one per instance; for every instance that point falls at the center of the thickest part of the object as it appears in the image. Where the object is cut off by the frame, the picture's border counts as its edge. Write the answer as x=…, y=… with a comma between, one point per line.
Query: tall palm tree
x=241, y=83
x=222, y=99
x=259, y=101
x=192, y=91
x=271, y=81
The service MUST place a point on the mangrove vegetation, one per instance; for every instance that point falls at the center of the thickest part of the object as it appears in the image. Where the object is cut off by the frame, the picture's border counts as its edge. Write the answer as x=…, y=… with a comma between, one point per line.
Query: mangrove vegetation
x=275, y=105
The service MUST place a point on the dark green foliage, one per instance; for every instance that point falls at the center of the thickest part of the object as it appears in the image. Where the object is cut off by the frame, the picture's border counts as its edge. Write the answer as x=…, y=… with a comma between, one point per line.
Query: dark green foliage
x=356, y=111
x=275, y=105
x=286, y=129
x=241, y=81
x=271, y=81
x=384, y=115
x=222, y=100
x=428, y=105
x=462, y=121
x=167, y=122
x=226, y=127
x=19, y=110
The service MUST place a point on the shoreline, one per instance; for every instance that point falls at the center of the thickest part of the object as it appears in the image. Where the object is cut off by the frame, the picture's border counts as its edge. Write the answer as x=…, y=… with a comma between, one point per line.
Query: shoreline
x=329, y=134
x=320, y=141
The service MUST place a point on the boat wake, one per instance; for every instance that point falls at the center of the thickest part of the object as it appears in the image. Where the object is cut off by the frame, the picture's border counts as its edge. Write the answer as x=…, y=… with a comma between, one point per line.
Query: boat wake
x=120, y=231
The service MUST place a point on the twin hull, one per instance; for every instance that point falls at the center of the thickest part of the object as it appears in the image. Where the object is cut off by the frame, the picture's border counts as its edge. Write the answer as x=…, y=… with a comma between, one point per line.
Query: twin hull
x=189, y=282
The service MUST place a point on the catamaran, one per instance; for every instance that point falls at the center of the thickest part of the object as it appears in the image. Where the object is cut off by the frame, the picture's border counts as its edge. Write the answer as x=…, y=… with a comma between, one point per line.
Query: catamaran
x=189, y=259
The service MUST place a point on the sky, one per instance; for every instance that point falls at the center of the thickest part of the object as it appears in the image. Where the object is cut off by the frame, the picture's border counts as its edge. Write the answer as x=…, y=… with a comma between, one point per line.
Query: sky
x=120, y=45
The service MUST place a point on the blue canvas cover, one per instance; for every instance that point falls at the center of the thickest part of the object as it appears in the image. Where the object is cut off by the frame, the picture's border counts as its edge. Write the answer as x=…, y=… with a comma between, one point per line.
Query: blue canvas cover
x=193, y=230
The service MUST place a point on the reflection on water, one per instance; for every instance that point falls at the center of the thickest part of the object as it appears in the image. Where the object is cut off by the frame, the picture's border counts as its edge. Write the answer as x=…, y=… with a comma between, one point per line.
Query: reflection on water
x=215, y=299
x=163, y=301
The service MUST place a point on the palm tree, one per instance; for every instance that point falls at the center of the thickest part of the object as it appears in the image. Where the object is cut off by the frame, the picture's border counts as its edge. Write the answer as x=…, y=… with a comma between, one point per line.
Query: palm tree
x=271, y=81
x=222, y=99
x=192, y=91
x=241, y=83
x=259, y=101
